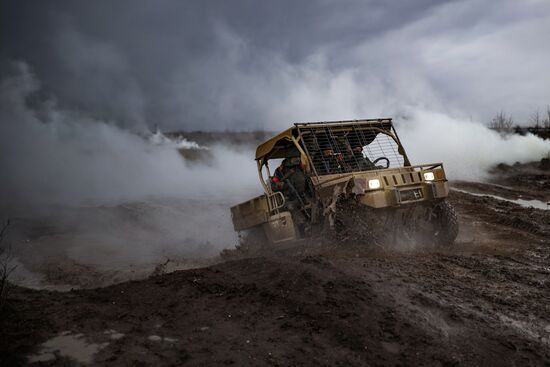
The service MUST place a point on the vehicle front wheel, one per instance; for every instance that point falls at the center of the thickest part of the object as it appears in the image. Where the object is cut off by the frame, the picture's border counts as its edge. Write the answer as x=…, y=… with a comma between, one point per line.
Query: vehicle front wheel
x=445, y=224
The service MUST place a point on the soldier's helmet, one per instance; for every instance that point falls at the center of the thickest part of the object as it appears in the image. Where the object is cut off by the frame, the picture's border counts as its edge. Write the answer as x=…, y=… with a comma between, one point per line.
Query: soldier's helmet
x=293, y=161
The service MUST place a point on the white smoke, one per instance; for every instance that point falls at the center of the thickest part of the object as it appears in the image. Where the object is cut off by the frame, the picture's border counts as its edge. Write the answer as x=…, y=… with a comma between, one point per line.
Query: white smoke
x=159, y=138
x=435, y=128
x=52, y=156
x=86, y=191
x=64, y=158
x=468, y=149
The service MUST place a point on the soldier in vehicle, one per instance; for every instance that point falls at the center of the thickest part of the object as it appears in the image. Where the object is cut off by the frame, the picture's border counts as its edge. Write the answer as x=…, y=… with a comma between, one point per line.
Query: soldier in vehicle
x=358, y=161
x=352, y=147
x=350, y=156
x=278, y=183
x=327, y=161
x=290, y=179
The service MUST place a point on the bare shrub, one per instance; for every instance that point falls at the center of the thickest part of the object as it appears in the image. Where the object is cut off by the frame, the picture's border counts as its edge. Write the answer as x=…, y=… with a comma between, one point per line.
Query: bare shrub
x=535, y=119
x=5, y=266
x=501, y=122
x=546, y=118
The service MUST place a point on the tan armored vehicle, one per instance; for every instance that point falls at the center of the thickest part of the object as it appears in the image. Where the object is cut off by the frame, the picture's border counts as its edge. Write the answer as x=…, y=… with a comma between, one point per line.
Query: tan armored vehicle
x=347, y=179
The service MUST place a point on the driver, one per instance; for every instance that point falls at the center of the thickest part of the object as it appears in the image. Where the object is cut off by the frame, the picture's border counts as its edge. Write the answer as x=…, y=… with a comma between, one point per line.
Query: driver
x=358, y=161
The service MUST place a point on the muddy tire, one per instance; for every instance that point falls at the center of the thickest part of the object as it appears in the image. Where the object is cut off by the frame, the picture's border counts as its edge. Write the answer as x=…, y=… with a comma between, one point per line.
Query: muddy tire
x=356, y=223
x=445, y=223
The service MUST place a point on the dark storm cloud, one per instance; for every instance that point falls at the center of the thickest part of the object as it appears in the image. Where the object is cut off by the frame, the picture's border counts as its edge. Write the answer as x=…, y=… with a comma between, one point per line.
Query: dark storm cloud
x=250, y=64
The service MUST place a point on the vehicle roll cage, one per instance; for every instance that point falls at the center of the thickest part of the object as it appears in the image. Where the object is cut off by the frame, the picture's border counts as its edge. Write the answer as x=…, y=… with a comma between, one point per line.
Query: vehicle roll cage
x=310, y=138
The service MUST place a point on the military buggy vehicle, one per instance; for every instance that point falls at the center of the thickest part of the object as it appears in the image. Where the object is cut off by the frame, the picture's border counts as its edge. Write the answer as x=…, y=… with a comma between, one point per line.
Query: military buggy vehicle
x=359, y=186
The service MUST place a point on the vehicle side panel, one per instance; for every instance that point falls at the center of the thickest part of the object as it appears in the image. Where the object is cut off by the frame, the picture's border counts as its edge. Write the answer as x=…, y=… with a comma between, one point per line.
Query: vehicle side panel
x=250, y=213
x=280, y=228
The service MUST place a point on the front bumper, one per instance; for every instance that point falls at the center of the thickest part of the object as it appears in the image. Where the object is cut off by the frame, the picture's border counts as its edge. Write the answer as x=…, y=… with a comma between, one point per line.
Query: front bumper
x=406, y=194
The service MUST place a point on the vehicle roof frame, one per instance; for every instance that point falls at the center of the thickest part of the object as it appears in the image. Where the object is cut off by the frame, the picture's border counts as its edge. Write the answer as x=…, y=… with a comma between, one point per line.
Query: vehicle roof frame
x=382, y=125
x=291, y=138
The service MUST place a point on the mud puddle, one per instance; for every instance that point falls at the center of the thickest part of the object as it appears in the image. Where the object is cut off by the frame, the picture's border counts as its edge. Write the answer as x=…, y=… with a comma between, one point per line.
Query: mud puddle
x=537, y=204
x=74, y=347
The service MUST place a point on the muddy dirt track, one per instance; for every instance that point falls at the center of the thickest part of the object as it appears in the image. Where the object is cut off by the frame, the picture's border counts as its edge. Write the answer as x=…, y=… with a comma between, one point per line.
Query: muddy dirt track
x=484, y=302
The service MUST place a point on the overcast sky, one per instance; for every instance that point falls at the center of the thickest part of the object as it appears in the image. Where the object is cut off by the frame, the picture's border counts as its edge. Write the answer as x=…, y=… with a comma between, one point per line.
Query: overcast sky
x=264, y=64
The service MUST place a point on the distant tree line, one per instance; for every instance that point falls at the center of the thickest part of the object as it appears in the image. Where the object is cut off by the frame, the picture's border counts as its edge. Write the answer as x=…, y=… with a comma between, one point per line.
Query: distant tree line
x=538, y=124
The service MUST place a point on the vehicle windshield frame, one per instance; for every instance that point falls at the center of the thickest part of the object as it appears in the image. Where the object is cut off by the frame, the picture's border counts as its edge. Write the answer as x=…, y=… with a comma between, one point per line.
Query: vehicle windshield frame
x=340, y=130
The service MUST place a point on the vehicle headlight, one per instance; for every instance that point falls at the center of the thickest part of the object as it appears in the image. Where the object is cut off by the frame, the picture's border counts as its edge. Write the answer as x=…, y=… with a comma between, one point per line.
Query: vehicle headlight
x=429, y=176
x=374, y=184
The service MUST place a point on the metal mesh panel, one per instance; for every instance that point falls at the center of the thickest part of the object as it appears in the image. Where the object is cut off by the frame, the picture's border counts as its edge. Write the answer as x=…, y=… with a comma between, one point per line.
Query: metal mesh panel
x=352, y=148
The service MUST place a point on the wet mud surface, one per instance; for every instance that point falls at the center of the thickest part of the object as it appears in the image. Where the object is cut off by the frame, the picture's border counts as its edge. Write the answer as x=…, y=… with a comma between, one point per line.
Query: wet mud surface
x=484, y=301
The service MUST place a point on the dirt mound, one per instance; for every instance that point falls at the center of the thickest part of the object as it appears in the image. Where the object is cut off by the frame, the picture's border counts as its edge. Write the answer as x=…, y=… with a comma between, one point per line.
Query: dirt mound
x=384, y=309
x=483, y=301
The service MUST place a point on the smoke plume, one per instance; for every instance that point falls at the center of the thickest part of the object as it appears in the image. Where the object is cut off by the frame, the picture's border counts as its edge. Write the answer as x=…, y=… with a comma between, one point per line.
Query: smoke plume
x=468, y=149
x=86, y=191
